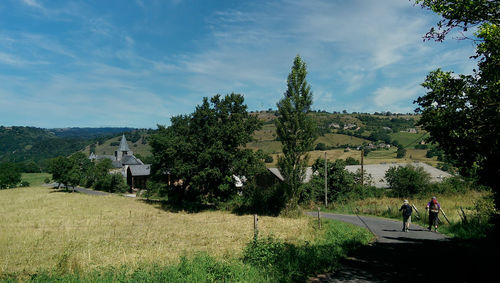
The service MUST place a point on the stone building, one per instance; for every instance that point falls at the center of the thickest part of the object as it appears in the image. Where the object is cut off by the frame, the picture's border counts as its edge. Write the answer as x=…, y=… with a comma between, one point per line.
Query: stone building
x=124, y=162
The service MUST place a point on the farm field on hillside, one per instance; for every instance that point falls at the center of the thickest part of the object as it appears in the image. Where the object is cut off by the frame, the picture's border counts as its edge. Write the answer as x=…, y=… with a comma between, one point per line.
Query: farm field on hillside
x=409, y=140
x=340, y=139
x=35, y=179
x=46, y=229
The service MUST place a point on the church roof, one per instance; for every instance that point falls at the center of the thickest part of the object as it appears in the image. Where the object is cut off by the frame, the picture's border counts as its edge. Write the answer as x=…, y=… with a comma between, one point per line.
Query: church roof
x=131, y=160
x=140, y=170
x=123, y=144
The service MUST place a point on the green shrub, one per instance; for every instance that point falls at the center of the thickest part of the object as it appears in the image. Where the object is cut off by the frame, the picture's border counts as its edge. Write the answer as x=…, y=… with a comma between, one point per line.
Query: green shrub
x=286, y=262
x=25, y=184
x=407, y=180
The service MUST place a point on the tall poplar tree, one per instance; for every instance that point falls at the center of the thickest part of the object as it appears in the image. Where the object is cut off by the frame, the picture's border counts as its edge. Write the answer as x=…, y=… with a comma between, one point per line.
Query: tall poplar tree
x=296, y=131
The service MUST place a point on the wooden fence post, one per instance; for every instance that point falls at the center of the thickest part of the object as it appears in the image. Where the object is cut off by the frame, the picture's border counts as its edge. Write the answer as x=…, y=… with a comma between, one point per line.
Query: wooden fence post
x=319, y=218
x=255, y=226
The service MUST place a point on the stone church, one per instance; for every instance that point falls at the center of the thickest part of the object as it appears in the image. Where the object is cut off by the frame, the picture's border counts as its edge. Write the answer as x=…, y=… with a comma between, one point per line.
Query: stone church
x=131, y=167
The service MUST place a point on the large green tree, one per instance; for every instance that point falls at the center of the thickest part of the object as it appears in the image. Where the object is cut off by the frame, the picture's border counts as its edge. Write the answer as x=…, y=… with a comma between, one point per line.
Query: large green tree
x=10, y=175
x=296, y=130
x=462, y=112
x=202, y=151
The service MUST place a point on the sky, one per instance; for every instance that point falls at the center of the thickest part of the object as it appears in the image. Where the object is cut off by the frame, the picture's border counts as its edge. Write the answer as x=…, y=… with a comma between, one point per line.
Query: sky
x=121, y=63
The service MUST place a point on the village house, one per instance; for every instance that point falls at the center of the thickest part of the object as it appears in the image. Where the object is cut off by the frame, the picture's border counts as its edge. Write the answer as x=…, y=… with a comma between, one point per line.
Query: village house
x=132, y=168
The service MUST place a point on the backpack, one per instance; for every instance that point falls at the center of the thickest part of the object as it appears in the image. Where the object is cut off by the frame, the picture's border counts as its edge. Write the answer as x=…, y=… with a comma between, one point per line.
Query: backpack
x=407, y=210
x=434, y=207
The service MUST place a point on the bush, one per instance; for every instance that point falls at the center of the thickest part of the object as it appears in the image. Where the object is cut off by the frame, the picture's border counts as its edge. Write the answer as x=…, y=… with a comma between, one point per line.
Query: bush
x=407, y=180
x=46, y=181
x=113, y=183
x=286, y=262
x=268, y=159
x=320, y=146
x=449, y=185
x=25, y=184
x=10, y=175
x=263, y=201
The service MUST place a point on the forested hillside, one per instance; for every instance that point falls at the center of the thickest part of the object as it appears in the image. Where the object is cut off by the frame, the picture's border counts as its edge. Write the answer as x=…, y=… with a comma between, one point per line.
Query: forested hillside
x=30, y=147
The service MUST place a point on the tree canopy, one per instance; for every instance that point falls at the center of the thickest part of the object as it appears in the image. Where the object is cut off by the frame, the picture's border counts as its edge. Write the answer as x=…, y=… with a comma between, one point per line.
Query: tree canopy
x=201, y=152
x=462, y=112
x=10, y=175
x=295, y=129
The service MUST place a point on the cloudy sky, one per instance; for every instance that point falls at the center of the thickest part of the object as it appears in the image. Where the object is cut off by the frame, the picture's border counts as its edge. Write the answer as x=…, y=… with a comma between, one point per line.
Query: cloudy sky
x=138, y=63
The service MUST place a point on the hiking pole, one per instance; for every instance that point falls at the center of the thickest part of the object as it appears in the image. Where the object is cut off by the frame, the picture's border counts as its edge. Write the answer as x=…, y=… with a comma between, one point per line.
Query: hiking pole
x=418, y=213
x=444, y=214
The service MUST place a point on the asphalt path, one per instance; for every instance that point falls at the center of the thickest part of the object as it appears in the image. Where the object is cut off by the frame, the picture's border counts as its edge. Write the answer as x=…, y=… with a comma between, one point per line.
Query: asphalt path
x=415, y=256
x=81, y=190
x=386, y=230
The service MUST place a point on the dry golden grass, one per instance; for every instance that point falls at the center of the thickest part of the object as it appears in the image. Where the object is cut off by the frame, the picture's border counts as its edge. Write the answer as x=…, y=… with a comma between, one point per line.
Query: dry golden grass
x=44, y=229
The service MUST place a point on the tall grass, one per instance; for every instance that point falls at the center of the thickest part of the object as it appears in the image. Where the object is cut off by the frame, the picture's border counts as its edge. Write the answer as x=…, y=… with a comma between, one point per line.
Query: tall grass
x=264, y=260
x=44, y=229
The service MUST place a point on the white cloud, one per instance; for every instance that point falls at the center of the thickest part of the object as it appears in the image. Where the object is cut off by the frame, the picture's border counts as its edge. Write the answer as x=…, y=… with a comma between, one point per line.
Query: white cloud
x=390, y=96
x=32, y=3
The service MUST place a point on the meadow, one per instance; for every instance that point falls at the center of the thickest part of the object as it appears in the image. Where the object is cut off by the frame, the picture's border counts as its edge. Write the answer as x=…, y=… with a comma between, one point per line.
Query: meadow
x=67, y=233
x=35, y=179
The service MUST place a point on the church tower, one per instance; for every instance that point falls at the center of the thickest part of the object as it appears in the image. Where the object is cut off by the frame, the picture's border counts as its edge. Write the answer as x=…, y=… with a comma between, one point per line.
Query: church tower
x=123, y=149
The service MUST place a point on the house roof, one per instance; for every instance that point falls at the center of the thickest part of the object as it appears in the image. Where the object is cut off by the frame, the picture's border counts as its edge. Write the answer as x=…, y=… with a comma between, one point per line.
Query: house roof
x=377, y=171
x=308, y=176
x=123, y=144
x=131, y=160
x=140, y=170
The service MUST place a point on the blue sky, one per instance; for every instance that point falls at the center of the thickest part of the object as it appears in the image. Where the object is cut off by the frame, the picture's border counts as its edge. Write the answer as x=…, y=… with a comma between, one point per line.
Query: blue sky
x=138, y=63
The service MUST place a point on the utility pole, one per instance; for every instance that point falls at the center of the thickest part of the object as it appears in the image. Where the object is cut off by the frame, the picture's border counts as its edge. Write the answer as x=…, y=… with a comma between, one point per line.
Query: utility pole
x=362, y=172
x=326, y=184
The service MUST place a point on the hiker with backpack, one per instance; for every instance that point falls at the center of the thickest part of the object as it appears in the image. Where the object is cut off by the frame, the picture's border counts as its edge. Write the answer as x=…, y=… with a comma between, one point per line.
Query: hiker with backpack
x=407, y=210
x=434, y=207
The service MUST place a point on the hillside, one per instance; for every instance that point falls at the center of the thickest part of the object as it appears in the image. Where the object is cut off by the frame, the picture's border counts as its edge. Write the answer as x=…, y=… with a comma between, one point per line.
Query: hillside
x=33, y=146
x=137, y=141
x=337, y=132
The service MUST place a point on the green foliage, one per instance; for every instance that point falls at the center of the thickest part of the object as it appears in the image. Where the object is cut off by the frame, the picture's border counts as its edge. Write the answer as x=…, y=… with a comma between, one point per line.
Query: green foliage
x=461, y=111
x=10, y=175
x=461, y=14
x=296, y=130
x=204, y=150
x=320, y=146
x=261, y=200
x=339, y=181
x=407, y=180
x=351, y=161
x=286, y=262
x=401, y=152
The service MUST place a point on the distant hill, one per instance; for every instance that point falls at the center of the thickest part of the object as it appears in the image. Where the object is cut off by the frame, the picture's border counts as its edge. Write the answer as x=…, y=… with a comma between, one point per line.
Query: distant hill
x=88, y=132
x=337, y=132
x=137, y=142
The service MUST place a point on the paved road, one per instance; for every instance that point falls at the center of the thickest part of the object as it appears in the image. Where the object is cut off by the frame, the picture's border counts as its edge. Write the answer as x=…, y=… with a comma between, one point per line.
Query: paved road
x=82, y=190
x=386, y=230
x=396, y=256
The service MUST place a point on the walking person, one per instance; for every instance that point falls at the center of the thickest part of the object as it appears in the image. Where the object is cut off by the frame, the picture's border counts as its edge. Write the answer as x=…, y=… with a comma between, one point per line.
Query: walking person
x=434, y=207
x=407, y=210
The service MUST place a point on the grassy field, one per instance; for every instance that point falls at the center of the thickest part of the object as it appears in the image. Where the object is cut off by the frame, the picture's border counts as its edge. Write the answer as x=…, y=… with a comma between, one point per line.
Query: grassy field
x=339, y=139
x=408, y=140
x=35, y=179
x=45, y=229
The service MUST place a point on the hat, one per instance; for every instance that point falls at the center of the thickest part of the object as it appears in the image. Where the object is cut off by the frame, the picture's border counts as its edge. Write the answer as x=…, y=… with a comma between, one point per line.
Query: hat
x=433, y=197
x=406, y=201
